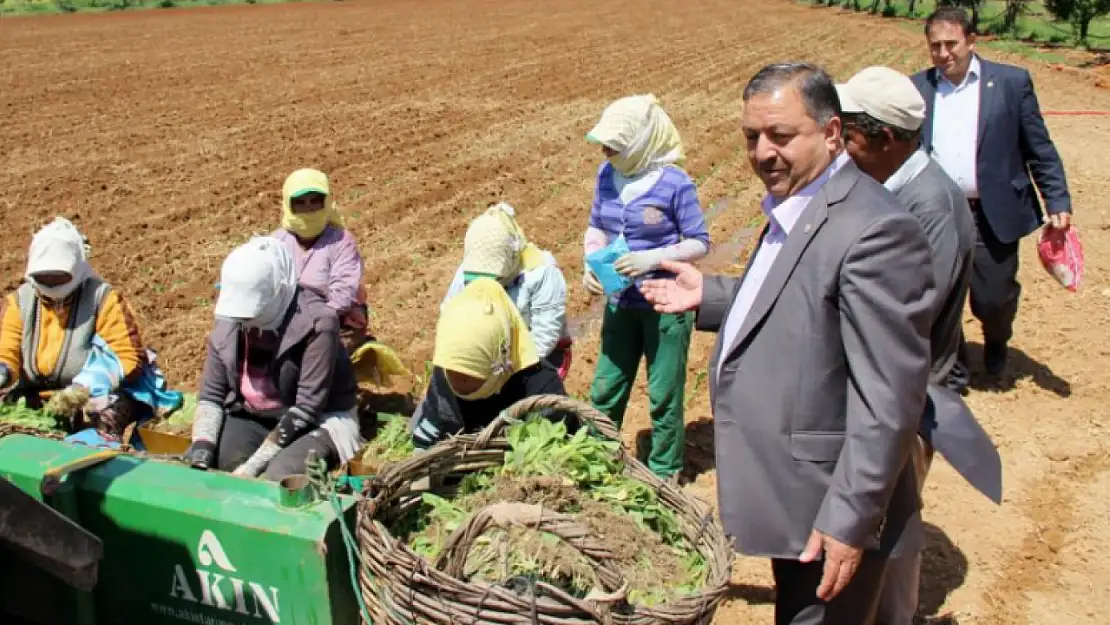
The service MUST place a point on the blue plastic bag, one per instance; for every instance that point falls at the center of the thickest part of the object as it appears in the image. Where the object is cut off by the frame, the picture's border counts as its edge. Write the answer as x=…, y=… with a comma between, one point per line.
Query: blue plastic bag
x=92, y=438
x=601, y=264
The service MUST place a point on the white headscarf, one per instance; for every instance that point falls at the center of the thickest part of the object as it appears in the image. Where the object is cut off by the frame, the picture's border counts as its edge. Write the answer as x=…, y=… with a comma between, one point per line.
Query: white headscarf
x=641, y=133
x=58, y=247
x=258, y=282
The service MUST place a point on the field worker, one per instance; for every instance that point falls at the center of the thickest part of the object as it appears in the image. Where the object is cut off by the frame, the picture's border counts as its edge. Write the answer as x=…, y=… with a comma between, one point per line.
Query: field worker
x=276, y=382
x=495, y=247
x=984, y=126
x=644, y=197
x=882, y=117
x=68, y=335
x=324, y=251
x=484, y=361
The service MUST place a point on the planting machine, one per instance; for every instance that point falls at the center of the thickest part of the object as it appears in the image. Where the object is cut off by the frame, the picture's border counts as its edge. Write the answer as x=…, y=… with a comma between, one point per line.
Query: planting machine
x=99, y=537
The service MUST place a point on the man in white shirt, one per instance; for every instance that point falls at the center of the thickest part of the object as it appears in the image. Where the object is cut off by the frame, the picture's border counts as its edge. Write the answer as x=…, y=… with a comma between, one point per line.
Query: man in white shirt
x=984, y=126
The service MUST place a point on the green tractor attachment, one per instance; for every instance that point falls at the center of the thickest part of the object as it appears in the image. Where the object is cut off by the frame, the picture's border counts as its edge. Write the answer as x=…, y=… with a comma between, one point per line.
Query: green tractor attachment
x=42, y=536
x=89, y=537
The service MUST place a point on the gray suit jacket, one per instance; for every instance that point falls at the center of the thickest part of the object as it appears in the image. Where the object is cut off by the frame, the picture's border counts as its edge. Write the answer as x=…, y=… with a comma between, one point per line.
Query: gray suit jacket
x=941, y=208
x=948, y=424
x=820, y=396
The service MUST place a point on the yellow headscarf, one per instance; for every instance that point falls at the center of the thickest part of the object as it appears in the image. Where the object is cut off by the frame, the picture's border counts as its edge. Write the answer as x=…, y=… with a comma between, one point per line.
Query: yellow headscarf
x=496, y=246
x=481, y=334
x=308, y=225
x=641, y=133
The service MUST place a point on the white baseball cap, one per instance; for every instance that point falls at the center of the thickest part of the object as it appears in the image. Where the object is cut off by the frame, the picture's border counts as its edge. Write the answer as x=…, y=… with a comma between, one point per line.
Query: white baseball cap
x=885, y=94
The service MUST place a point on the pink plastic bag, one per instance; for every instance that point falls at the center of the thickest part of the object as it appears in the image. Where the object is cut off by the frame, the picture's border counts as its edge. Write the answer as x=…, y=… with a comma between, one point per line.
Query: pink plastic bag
x=1062, y=256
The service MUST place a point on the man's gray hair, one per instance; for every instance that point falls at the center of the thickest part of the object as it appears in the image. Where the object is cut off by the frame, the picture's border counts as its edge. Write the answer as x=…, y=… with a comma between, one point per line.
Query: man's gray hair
x=816, y=87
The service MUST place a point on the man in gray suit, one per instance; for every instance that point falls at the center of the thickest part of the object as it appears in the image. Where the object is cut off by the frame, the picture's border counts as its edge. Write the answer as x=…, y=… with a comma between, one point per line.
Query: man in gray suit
x=883, y=113
x=822, y=358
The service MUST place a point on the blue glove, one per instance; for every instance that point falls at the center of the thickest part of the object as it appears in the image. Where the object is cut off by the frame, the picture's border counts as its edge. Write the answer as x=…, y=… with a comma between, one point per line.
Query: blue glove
x=5, y=376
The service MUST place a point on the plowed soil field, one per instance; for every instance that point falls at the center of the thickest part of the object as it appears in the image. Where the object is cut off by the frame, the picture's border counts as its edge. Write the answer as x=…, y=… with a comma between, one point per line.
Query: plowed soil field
x=167, y=134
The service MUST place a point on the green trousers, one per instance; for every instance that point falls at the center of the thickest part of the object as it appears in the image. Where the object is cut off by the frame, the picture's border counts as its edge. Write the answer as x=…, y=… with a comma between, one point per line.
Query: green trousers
x=664, y=339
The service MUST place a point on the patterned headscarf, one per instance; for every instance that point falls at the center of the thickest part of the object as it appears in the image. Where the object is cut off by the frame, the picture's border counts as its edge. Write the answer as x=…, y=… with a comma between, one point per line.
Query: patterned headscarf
x=641, y=133
x=495, y=246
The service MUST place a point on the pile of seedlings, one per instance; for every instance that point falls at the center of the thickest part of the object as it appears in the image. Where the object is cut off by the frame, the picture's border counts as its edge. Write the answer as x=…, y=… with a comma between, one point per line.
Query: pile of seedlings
x=582, y=476
x=180, y=421
x=19, y=415
x=391, y=442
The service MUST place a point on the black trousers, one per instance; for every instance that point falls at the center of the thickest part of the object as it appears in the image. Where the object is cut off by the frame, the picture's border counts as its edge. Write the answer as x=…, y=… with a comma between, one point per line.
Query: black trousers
x=995, y=290
x=242, y=434
x=994, y=287
x=796, y=601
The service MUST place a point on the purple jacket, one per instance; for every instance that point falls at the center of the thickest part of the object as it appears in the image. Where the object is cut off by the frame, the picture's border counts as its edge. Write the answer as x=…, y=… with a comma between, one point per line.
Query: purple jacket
x=332, y=266
x=665, y=215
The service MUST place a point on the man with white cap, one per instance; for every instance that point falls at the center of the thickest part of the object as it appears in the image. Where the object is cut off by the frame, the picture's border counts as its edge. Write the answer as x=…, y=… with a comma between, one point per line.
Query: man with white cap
x=882, y=114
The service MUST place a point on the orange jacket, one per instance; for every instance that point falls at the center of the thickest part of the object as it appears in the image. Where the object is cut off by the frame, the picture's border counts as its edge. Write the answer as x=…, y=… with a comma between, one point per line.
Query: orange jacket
x=115, y=323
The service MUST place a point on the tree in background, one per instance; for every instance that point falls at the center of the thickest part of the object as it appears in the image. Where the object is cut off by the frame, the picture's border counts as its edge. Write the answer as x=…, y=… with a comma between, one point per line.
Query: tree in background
x=1079, y=13
x=887, y=7
x=1014, y=10
x=975, y=6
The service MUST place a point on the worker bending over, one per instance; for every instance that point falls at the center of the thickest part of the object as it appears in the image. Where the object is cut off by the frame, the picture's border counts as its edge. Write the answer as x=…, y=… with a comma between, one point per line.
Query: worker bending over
x=484, y=361
x=276, y=384
x=495, y=247
x=69, y=342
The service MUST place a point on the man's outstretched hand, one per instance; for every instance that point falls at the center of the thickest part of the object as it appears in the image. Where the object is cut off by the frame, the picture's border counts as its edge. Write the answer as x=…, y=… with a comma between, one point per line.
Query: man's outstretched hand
x=674, y=295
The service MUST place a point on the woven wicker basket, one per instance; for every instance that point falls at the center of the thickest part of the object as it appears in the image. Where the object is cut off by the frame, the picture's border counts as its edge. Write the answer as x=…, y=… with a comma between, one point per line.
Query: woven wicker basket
x=12, y=428
x=401, y=587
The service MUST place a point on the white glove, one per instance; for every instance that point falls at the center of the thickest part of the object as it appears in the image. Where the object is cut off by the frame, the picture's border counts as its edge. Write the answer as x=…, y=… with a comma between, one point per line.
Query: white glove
x=592, y=284
x=68, y=403
x=635, y=264
x=259, y=460
x=247, y=470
